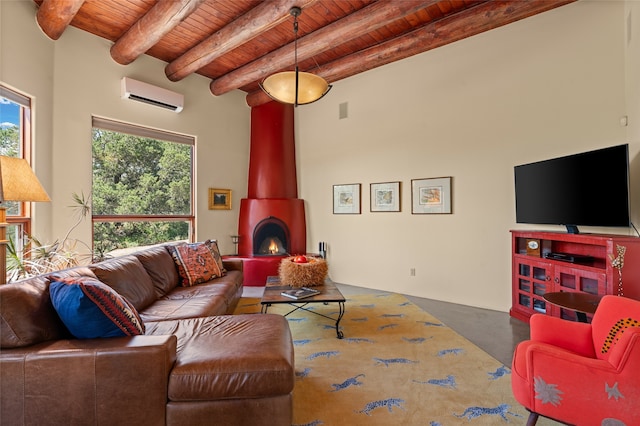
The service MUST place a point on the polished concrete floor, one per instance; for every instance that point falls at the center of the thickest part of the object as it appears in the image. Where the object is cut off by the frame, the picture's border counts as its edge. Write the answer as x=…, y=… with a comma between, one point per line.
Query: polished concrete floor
x=495, y=332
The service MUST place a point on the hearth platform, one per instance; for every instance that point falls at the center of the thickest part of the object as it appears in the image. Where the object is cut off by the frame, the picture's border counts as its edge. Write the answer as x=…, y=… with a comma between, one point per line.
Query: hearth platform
x=256, y=269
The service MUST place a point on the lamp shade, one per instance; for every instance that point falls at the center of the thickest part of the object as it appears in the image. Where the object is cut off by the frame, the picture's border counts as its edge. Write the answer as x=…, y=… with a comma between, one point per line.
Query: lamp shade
x=282, y=87
x=18, y=182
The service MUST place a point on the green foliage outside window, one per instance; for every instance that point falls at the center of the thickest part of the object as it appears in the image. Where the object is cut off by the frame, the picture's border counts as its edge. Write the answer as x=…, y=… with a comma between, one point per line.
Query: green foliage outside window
x=9, y=141
x=137, y=176
x=10, y=147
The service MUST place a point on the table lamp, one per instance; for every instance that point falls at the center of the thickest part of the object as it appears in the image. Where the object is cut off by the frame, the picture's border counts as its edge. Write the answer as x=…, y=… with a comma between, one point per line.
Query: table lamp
x=17, y=183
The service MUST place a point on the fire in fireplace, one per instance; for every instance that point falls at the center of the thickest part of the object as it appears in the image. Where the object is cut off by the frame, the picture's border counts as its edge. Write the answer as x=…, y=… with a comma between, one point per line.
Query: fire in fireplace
x=272, y=246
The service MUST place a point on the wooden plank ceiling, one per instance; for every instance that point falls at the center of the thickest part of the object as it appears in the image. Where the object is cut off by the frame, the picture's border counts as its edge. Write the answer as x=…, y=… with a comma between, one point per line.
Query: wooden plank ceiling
x=238, y=43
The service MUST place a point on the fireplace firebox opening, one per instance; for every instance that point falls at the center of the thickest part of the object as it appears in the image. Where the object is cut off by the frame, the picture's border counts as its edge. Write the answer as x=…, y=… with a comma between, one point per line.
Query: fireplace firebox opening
x=271, y=238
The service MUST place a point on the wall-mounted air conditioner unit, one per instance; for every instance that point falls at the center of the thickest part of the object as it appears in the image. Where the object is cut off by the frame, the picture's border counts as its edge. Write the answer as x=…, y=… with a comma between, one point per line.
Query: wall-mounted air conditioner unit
x=149, y=94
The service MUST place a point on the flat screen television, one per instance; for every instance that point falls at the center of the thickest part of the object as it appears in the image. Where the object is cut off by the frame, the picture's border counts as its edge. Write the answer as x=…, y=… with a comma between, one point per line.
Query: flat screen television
x=589, y=189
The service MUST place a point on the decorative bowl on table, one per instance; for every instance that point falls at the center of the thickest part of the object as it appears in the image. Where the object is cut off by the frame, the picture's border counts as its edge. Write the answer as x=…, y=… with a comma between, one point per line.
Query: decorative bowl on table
x=303, y=271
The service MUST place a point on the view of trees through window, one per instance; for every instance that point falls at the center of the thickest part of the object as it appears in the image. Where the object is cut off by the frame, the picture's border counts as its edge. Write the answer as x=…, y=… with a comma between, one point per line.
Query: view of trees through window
x=142, y=190
x=10, y=147
x=15, y=113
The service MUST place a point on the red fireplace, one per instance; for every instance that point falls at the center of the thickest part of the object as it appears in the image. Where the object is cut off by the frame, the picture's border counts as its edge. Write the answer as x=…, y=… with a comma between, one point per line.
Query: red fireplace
x=272, y=218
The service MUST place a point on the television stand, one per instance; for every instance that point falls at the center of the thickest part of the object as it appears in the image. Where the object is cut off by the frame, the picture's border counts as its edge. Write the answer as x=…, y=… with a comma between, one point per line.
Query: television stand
x=546, y=262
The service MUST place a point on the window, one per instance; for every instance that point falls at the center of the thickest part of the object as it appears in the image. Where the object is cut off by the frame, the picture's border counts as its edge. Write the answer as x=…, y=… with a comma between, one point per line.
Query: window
x=15, y=141
x=142, y=191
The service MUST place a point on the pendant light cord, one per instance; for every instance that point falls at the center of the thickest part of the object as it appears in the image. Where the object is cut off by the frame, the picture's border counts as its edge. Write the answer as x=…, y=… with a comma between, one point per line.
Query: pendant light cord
x=295, y=50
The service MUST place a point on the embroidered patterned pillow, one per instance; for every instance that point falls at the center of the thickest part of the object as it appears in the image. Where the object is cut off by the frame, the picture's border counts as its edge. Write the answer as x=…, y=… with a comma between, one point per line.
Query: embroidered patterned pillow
x=90, y=309
x=215, y=251
x=195, y=263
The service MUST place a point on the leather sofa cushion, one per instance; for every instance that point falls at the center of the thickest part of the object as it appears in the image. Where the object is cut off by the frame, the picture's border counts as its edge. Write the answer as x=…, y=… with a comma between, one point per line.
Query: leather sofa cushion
x=161, y=268
x=27, y=315
x=227, y=286
x=229, y=356
x=191, y=307
x=127, y=276
x=270, y=411
x=216, y=297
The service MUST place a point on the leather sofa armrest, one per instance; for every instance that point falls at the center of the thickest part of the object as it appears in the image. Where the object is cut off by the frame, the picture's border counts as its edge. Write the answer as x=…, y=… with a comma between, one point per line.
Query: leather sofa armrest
x=232, y=264
x=122, y=379
x=573, y=336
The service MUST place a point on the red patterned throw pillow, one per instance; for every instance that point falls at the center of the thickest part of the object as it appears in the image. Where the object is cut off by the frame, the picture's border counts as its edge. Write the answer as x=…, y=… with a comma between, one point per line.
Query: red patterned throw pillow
x=215, y=251
x=195, y=262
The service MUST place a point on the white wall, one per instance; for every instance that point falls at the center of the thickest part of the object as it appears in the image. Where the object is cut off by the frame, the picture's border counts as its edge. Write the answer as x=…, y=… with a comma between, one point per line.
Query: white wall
x=632, y=89
x=26, y=65
x=76, y=78
x=549, y=85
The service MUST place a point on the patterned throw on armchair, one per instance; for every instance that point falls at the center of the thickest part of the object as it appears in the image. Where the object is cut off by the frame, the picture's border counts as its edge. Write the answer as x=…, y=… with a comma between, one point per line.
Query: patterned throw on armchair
x=582, y=374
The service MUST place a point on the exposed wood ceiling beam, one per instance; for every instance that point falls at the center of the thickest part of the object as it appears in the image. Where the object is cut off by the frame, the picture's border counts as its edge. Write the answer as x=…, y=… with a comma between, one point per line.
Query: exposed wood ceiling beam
x=255, y=22
x=54, y=16
x=148, y=30
x=373, y=16
x=448, y=30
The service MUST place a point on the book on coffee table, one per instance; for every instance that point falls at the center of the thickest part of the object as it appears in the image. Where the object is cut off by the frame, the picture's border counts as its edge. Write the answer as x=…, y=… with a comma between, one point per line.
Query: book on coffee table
x=300, y=293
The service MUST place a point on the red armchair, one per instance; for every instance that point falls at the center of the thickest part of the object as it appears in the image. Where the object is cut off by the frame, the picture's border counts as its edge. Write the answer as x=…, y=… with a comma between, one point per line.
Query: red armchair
x=582, y=374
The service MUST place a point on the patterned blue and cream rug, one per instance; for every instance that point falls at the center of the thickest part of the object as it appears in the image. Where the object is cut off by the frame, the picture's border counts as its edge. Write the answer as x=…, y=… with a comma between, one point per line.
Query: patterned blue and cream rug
x=397, y=365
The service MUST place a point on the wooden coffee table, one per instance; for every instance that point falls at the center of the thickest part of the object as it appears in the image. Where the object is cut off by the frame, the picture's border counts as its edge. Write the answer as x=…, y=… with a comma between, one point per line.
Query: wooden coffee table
x=329, y=293
x=582, y=303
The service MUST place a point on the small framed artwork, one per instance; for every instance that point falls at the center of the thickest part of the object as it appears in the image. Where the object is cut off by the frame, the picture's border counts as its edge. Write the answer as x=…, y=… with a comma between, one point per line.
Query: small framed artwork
x=385, y=197
x=431, y=196
x=219, y=199
x=346, y=199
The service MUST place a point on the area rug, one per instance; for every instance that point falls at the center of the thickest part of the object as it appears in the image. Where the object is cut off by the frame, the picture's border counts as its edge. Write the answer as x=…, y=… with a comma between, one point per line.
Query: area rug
x=396, y=365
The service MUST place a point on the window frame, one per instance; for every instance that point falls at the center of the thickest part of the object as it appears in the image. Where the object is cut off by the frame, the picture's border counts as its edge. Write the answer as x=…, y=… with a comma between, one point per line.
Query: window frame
x=163, y=135
x=24, y=219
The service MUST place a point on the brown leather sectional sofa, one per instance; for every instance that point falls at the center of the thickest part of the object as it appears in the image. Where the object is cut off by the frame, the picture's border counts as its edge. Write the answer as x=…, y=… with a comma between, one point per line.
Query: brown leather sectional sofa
x=195, y=364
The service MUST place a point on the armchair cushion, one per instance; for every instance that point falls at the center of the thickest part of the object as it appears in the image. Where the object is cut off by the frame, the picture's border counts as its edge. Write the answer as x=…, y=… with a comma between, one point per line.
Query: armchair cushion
x=91, y=309
x=572, y=336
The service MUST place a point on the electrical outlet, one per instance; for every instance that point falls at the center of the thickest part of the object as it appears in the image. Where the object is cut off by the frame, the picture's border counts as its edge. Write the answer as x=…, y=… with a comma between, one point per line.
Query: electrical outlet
x=412, y=272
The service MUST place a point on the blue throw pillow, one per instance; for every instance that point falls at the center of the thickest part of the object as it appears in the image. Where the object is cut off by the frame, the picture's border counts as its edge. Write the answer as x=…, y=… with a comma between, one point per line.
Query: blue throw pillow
x=90, y=308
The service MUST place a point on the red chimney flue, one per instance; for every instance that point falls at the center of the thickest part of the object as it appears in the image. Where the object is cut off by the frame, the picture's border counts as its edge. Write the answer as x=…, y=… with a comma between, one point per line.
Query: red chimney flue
x=272, y=194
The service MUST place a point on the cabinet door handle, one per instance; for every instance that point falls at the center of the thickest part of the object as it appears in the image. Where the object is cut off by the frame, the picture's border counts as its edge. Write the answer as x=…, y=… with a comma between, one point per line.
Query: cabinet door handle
x=557, y=280
x=548, y=278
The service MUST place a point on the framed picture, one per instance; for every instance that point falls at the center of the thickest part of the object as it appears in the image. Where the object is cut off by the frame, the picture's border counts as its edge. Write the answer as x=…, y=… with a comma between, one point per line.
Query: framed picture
x=385, y=197
x=429, y=196
x=346, y=199
x=219, y=199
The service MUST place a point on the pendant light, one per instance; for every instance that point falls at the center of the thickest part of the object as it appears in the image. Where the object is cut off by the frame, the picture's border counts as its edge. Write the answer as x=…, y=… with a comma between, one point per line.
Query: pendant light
x=295, y=87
